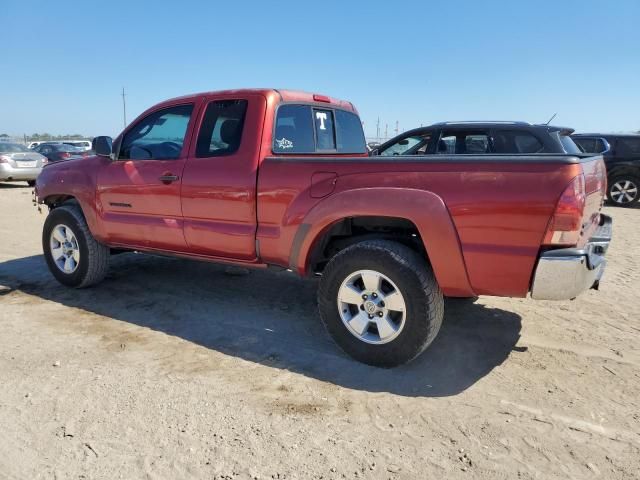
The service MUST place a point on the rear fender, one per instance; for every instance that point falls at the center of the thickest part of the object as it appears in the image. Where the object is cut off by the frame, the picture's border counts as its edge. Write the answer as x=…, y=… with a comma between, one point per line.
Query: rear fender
x=425, y=209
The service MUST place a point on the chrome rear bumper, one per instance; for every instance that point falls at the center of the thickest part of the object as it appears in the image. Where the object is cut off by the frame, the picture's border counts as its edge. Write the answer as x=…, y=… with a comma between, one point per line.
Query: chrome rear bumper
x=565, y=273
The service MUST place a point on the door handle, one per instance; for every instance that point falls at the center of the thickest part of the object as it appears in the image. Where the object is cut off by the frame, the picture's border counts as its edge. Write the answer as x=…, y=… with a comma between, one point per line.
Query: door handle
x=168, y=178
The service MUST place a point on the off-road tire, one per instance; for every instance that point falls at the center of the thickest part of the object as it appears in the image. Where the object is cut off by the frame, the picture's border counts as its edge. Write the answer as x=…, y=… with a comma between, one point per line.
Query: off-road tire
x=94, y=256
x=417, y=283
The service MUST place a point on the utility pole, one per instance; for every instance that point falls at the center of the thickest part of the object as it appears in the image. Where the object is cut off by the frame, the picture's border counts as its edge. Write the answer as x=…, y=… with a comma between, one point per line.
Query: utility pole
x=378, y=129
x=386, y=131
x=124, y=109
x=396, y=127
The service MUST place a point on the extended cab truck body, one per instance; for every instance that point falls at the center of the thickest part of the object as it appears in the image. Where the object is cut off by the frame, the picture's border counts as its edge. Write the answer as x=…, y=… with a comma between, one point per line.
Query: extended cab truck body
x=268, y=177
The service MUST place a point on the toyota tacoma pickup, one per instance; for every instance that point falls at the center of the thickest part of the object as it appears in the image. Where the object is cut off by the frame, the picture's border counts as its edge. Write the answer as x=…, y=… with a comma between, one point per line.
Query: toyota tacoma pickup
x=281, y=178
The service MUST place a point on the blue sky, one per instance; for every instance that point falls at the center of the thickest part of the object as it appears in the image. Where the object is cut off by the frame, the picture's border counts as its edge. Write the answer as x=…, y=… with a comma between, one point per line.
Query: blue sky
x=412, y=62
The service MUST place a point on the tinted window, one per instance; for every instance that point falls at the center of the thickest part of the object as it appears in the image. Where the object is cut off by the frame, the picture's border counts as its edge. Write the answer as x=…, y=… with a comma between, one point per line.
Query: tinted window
x=515, y=141
x=294, y=130
x=587, y=144
x=628, y=146
x=325, y=130
x=567, y=143
x=159, y=136
x=221, y=129
x=601, y=147
x=414, y=144
x=461, y=142
x=349, y=131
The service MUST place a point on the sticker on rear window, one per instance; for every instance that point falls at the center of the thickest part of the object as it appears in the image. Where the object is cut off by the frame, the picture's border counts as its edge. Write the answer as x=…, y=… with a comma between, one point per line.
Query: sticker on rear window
x=322, y=116
x=284, y=143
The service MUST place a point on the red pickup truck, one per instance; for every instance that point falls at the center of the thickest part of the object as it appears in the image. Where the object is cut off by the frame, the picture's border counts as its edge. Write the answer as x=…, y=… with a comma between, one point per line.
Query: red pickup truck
x=281, y=178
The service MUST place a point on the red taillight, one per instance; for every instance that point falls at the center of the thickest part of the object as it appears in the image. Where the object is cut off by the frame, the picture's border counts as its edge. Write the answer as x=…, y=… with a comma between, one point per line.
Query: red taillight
x=65, y=155
x=321, y=98
x=565, y=225
x=4, y=159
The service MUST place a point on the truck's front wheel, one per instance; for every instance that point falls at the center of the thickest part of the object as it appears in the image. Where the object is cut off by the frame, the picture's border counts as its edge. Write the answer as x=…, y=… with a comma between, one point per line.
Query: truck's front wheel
x=380, y=302
x=74, y=257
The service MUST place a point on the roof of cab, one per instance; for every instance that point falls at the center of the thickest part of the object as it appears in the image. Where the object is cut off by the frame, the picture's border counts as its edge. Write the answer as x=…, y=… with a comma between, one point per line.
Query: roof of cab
x=284, y=96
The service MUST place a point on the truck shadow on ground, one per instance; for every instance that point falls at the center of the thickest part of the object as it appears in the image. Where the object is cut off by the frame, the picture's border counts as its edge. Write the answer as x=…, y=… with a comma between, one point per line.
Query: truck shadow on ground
x=271, y=318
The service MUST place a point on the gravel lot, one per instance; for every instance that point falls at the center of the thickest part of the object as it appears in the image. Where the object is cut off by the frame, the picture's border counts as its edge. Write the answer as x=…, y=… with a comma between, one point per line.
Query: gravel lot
x=176, y=369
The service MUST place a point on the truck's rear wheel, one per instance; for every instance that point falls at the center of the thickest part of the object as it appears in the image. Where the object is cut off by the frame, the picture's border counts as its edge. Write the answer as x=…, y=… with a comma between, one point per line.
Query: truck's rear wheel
x=74, y=257
x=380, y=302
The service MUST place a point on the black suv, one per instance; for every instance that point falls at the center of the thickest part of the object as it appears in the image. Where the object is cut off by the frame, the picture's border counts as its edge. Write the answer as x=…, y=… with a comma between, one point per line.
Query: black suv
x=622, y=155
x=476, y=138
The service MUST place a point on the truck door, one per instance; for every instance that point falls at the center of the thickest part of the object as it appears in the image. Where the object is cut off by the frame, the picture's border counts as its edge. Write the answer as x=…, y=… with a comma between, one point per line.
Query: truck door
x=139, y=192
x=219, y=180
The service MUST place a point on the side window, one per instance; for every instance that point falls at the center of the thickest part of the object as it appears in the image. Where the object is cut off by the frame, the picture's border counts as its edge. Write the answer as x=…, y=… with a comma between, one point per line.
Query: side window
x=325, y=130
x=515, y=141
x=586, y=143
x=158, y=136
x=463, y=142
x=294, y=130
x=600, y=146
x=221, y=130
x=350, y=134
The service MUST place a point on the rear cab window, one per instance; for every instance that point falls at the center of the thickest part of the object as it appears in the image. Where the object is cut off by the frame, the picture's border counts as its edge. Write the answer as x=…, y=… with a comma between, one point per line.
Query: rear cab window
x=310, y=129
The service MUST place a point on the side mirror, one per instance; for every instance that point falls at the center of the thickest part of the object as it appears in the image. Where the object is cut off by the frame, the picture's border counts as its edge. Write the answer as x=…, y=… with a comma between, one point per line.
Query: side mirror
x=374, y=153
x=102, y=146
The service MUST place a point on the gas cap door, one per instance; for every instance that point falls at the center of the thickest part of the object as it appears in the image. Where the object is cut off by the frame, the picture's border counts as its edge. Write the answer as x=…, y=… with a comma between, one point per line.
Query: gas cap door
x=323, y=184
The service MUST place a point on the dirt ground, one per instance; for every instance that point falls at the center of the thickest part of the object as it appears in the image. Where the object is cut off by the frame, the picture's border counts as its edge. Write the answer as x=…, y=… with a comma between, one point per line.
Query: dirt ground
x=173, y=369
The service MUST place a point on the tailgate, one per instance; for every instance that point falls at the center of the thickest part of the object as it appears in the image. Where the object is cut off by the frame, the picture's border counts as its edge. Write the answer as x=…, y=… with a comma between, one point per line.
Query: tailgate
x=595, y=176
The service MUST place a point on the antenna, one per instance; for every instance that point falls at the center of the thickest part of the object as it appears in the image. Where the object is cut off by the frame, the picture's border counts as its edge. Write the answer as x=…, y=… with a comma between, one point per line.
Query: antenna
x=552, y=117
x=124, y=109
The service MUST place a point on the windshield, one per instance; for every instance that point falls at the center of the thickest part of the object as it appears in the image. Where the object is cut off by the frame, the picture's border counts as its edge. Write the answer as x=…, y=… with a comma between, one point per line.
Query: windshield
x=12, y=148
x=407, y=145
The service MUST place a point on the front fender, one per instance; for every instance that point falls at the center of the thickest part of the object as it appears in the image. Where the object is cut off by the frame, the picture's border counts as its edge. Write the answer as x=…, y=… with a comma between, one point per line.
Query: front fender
x=75, y=179
x=425, y=209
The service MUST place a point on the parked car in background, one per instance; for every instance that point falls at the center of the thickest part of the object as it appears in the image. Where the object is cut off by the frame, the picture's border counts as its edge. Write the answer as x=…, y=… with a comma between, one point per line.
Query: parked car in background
x=18, y=163
x=33, y=145
x=84, y=145
x=622, y=156
x=60, y=151
x=480, y=138
x=281, y=178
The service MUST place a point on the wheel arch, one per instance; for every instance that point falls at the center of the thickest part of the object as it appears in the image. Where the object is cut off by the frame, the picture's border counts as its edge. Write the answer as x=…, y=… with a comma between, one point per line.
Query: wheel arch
x=414, y=212
x=623, y=169
x=55, y=200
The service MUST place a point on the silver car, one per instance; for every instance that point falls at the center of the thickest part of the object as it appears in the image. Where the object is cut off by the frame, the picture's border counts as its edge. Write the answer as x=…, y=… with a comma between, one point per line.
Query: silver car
x=18, y=163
